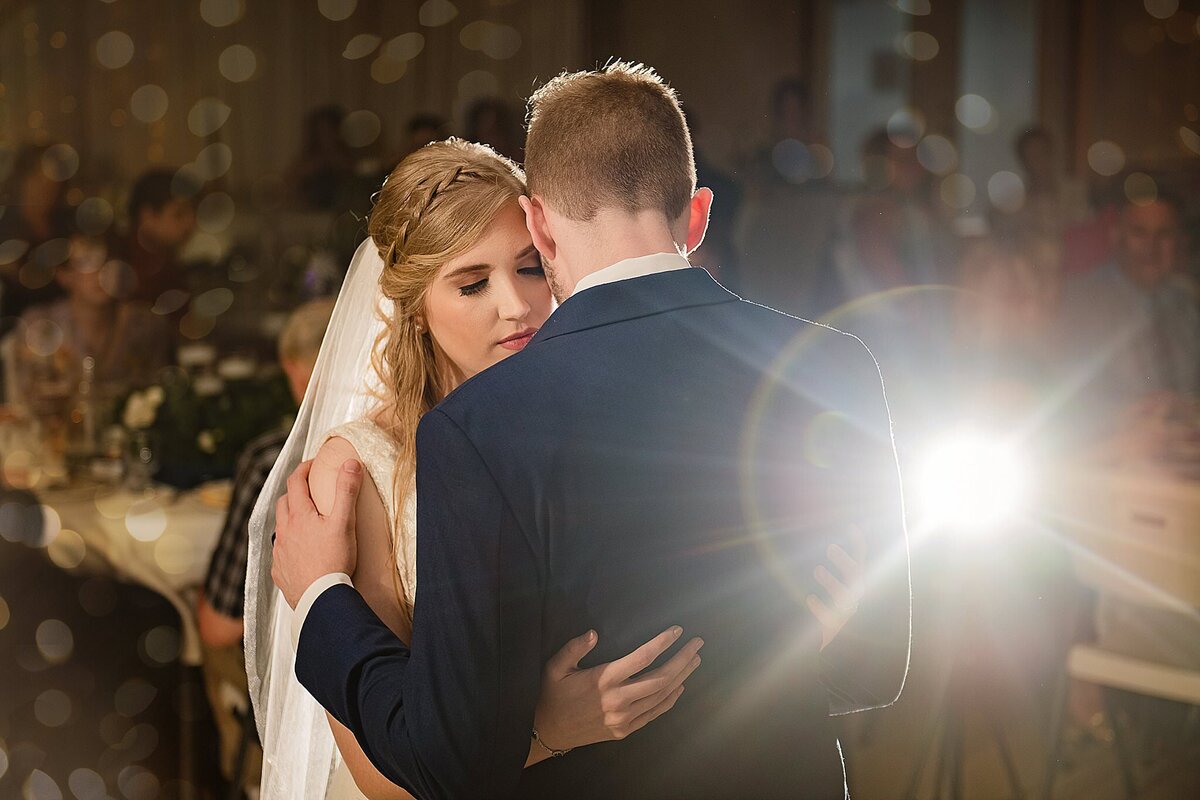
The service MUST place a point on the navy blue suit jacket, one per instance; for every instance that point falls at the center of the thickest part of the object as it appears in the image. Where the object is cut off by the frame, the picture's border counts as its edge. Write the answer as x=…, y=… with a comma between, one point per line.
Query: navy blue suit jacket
x=661, y=453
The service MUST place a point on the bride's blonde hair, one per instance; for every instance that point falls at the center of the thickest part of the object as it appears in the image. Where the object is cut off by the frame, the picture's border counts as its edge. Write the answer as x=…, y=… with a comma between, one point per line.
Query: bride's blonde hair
x=435, y=205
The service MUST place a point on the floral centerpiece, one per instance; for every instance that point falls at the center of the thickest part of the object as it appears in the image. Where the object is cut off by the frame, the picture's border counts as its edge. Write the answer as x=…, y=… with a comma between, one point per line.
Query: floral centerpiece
x=194, y=427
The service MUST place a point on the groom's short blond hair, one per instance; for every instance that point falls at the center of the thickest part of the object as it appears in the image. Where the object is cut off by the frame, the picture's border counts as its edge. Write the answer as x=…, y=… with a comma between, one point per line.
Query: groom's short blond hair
x=614, y=138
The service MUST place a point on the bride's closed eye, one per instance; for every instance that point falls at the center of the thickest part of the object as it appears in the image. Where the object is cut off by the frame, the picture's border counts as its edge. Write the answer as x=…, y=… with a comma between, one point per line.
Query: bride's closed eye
x=475, y=288
x=536, y=270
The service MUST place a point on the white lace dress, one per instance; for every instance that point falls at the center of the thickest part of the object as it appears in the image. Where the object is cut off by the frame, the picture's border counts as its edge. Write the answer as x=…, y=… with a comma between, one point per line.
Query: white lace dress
x=378, y=452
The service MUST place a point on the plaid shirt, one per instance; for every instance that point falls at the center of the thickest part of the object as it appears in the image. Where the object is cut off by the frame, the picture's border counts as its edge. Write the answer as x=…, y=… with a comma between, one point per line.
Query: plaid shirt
x=225, y=586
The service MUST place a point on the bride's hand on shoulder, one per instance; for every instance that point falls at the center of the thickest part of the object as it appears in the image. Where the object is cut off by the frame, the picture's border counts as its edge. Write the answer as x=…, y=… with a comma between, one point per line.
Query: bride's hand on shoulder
x=606, y=702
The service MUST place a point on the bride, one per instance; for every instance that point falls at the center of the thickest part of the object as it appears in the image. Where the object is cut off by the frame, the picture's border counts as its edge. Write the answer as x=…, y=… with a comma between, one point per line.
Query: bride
x=457, y=285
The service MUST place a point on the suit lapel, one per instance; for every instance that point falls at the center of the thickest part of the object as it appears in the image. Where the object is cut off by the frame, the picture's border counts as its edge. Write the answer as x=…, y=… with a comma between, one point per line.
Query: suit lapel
x=636, y=297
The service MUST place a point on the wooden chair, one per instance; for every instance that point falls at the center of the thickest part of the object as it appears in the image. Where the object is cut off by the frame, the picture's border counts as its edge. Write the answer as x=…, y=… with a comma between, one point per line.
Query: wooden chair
x=1136, y=539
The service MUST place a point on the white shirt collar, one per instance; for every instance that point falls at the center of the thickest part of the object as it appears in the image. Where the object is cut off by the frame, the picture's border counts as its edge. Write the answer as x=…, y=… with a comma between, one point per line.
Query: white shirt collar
x=638, y=267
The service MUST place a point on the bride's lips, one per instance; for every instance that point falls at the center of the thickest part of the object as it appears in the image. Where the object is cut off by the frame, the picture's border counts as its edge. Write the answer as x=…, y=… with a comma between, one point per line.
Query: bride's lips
x=518, y=340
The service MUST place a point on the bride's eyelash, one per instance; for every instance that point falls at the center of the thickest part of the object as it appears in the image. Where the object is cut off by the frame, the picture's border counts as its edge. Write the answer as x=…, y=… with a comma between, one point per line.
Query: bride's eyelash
x=538, y=269
x=474, y=288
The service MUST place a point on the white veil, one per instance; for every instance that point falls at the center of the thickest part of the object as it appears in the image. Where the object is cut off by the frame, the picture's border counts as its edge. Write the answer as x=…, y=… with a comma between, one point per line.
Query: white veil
x=299, y=754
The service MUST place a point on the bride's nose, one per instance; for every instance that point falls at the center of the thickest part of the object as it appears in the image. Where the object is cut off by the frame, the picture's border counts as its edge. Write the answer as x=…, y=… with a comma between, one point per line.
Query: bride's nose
x=512, y=305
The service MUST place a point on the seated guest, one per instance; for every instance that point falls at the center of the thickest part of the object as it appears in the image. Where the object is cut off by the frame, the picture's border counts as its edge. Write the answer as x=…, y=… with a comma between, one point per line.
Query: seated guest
x=219, y=608
x=1130, y=332
x=1130, y=329
x=128, y=344
x=33, y=220
x=161, y=222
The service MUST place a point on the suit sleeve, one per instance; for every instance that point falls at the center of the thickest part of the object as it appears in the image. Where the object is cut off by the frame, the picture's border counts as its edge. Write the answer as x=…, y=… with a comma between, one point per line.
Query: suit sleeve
x=451, y=717
x=866, y=664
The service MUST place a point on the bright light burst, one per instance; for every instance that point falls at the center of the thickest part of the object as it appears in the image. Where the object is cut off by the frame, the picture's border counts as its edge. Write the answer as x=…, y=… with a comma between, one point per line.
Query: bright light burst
x=972, y=482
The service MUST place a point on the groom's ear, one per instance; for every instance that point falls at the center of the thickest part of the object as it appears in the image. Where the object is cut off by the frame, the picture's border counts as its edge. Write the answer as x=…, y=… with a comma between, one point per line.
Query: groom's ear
x=535, y=221
x=698, y=210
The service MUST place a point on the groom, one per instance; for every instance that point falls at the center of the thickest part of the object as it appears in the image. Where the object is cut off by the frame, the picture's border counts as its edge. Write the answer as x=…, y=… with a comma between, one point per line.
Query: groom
x=661, y=453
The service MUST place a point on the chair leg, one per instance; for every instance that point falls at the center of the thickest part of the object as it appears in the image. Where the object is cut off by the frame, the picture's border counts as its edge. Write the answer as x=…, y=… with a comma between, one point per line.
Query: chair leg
x=1006, y=760
x=1054, y=737
x=1124, y=758
x=239, y=765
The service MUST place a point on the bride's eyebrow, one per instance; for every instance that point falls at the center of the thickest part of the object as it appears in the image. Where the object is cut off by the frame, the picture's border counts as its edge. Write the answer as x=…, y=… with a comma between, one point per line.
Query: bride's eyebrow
x=528, y=251
x=467, y=270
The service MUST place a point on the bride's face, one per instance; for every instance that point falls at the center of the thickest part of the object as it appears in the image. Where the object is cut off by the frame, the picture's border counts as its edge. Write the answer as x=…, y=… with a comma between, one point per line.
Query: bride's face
x=487, y=303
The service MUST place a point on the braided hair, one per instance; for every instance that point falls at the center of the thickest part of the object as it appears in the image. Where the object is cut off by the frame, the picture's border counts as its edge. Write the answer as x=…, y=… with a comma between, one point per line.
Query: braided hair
x=436, y=204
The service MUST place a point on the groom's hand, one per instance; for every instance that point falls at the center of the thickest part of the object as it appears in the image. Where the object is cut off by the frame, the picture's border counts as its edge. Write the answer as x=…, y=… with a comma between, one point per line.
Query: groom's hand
x=309, y=544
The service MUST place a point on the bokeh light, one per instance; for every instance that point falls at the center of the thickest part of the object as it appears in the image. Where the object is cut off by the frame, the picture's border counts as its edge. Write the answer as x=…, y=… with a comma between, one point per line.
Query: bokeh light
x=60, y=162
x=905, y=127
x=237, y=63
x=5, y=614
x=159, y=645
x=361, y=46
x=149, y=103
x=387, y=70
x=975, y=112
x=134, y=696
x=957, y=191
x=404, y=47
x=138, y=783
x=215, y=212
x=1140, y=189
x=361, y=128
x=40, y=786
x=54, y=641
x=436, y=12
x=221, y=13
x=1106, y=158
x=1161, y=9
x=212, y=162
x=214, y=302
x=114, y=49
x=94, y=216
x=173, y=554
x=918, y=8
x=336, y=10
x=1190, y=139
x=52, y=708
x=490, y=38
x=207, y=116
x=1006, y=191
x=478, y=83
x=146, y=520
x=919, y=46
x=937, y=154
x=87, y=784
x=68, y=550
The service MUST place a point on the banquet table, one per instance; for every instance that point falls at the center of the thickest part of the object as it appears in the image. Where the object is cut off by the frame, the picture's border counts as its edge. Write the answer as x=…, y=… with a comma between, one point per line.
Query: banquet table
x=159, y=538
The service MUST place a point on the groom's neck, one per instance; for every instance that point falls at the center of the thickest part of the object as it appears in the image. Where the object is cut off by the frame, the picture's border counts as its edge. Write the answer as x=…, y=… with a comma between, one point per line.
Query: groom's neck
x=614, y=236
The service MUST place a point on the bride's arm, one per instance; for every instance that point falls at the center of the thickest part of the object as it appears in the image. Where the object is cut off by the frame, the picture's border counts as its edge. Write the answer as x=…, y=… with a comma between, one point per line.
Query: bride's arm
x=373, y=578
x=577, y=707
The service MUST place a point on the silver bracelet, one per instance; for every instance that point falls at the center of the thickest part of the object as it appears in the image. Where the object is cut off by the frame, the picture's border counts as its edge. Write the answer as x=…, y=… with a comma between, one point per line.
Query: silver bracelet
x=553, y=753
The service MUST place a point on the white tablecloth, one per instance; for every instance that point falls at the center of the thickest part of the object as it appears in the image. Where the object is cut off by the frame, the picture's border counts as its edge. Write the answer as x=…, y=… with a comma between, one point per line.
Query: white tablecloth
x=159, y=538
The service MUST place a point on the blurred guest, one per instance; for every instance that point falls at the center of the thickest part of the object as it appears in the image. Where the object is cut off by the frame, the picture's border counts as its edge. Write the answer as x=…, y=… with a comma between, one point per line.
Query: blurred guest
x=420, y=131
x=1053, y=202
x=893, y=234
x=34, y=218
x=162, y=218
x=493, y=122
x=126, y=343
x=1131, y=327
x=1130, y=331
x=325, y=161
x=219, y=607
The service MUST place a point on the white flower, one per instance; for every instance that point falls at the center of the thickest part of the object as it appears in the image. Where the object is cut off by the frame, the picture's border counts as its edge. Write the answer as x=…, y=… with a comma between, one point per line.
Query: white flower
x=208, y=385
x=235, y=368
x=156, y=395
x=140, y=412
x=206, y=442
